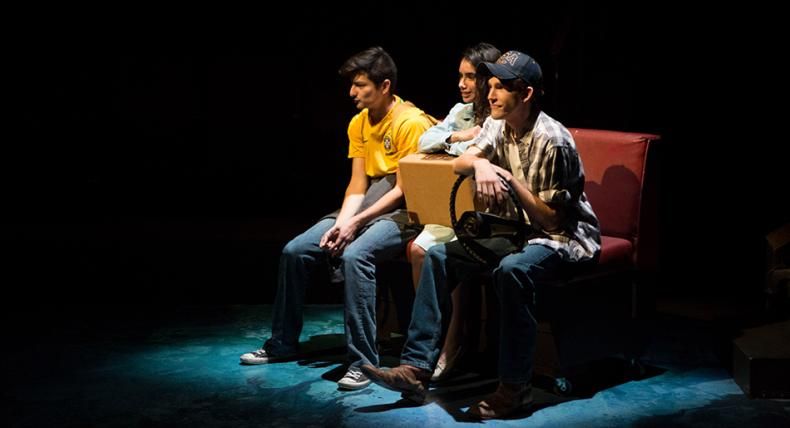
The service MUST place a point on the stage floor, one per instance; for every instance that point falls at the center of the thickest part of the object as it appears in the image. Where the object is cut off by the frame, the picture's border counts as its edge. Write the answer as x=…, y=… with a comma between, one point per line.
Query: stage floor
x=178, y=366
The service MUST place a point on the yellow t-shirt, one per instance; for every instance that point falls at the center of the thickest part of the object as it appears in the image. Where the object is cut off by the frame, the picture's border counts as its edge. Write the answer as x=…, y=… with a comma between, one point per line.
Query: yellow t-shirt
x=385, y=143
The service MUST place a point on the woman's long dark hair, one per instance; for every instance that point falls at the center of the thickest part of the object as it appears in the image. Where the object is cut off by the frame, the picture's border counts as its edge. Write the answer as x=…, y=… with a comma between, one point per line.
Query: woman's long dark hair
x=475, y=55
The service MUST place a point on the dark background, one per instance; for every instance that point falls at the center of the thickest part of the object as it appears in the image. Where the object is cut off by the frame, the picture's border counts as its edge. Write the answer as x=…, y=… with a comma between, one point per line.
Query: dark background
x=167, y=155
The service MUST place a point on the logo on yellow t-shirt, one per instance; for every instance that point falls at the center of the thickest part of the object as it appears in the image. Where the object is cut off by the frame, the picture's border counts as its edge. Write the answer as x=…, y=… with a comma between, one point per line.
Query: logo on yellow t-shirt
x=387, y=142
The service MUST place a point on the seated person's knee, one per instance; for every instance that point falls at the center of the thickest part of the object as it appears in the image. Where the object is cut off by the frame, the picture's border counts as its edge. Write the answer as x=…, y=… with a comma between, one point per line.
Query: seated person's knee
x=416, y=254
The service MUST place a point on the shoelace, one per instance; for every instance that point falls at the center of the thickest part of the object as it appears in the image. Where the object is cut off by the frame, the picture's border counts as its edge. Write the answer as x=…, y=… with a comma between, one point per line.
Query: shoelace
x=260, y=353
x=353, y=374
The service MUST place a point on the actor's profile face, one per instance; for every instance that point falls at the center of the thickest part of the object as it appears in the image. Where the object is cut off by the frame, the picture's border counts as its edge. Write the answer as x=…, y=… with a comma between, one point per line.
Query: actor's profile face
x=364, y=92
x=502, y=101
x=467, y=83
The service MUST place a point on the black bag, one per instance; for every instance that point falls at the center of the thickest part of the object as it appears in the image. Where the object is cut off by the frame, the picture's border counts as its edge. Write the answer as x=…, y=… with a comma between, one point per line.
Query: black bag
x=488, y=237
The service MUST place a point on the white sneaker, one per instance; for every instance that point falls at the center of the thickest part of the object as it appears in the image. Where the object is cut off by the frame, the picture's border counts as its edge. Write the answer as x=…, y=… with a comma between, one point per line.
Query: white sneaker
x=256, y=357
x=262, y=357
x=259, y=357
x=354, y=379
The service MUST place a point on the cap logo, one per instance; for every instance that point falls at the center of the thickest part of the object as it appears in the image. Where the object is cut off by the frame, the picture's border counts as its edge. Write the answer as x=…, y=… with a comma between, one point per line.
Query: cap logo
x=509, y=58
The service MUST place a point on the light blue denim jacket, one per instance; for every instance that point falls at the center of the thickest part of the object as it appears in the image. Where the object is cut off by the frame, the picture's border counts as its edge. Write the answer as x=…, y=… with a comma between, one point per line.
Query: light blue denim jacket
x=461, y=116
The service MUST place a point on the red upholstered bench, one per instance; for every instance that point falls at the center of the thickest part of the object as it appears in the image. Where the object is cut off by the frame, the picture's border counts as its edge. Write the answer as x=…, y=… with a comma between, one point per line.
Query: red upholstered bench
x=621, y=187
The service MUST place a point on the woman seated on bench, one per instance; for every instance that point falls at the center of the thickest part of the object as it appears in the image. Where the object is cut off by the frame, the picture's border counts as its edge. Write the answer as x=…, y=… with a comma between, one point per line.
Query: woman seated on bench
x=453, y=135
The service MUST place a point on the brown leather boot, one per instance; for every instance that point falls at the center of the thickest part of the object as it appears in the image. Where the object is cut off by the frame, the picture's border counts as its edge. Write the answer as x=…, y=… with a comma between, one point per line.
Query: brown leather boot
x=506, y=400
x=411, y=381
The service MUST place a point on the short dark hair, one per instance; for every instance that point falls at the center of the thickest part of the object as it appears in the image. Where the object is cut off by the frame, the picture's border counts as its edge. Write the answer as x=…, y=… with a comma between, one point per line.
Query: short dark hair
x=376, y=63
x=520, y=86
x=475, y=55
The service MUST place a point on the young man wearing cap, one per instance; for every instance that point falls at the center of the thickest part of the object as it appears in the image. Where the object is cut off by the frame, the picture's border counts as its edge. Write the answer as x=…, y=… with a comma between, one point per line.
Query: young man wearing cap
x=368, y=228
x=537, y=157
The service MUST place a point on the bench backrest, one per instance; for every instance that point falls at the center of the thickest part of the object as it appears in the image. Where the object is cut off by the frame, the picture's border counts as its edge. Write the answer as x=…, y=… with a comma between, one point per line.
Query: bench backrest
x=620, y=187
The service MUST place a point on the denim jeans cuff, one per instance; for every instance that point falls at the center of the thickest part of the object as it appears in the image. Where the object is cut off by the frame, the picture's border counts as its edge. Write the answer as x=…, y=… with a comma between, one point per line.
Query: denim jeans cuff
x=418, y=364
x=276, y=348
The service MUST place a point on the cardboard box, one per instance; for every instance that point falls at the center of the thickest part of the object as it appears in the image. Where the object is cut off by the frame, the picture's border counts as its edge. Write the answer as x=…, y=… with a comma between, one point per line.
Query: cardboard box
x=427, y=180
x=761, y=361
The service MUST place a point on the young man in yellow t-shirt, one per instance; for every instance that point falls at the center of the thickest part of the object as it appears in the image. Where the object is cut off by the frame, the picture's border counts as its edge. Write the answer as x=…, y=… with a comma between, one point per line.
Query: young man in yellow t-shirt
x=366, y=229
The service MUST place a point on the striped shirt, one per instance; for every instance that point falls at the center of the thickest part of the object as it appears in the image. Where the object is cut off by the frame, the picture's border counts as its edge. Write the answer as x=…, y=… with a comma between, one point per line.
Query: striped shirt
x=546, y=162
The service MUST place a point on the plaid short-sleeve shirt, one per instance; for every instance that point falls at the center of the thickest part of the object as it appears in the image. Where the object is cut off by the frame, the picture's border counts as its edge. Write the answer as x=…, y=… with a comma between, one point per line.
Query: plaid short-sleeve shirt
x=552, y=171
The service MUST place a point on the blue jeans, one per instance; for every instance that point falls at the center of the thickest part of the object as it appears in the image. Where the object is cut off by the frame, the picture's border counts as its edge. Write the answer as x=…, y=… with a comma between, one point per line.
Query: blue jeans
x=515, y=280
x=302, y=261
